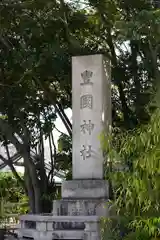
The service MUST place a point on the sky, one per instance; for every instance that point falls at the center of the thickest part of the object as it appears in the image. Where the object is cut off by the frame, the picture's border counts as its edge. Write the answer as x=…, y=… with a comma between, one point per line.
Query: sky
x=60, y=126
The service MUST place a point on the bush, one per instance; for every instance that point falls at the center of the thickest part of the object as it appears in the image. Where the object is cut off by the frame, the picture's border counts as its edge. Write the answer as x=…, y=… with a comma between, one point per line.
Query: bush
x=136, y=188
x=13, y=200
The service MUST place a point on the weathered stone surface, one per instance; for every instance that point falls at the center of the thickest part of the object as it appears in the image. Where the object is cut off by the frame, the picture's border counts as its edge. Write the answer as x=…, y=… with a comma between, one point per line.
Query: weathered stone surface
x=44, y=218
x=62, y=234
x=81, y=189
x=78, y=234
x=91, y=104
x=49, y=232
x=88, y=207
x=34, y=234
x=41, y=226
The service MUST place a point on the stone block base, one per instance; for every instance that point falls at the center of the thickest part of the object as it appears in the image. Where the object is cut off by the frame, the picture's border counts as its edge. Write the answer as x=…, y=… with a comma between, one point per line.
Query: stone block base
x=38, y=227
x=76, y=216
x=85, y=189
x=87, y=207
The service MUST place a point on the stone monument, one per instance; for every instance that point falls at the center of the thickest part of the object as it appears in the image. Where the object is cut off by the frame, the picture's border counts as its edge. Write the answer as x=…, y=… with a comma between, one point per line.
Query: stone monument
x=84, y=198
x=91, y=104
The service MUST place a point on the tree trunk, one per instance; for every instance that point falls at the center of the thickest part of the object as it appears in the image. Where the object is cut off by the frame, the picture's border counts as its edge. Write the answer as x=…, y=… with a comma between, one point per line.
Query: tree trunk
x=31, y=171
x=117, y=78
x=24, y=150
x=30, y=191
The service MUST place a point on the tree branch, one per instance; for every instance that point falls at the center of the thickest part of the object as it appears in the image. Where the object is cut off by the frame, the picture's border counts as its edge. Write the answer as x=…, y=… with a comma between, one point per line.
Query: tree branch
x=63, y=116
x=8, y=132
x=64, y=119
x=9, y=163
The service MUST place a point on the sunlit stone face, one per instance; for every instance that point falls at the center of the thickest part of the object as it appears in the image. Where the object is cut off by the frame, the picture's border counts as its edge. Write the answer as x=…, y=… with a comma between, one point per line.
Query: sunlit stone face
x=91, y=110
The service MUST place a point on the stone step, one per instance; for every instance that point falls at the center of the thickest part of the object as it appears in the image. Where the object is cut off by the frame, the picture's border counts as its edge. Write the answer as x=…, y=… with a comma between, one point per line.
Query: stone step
x=54, y=235
x=47, y=227
x=68, y=234
x=10, y=238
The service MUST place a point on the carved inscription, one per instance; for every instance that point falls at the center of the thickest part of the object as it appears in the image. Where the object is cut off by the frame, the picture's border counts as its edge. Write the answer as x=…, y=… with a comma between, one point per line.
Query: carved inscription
x=91, y=211
x=86, y=185
x=85, y=236
x=30, y=224
x=76, y=213
x=54, y=225
x=87, y=127
x=86, y=101
x=55, y=236
x=86, y=76
x=86, y=152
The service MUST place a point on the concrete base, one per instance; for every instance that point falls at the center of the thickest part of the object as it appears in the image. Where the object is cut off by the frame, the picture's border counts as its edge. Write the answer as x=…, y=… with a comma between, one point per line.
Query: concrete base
x=85, y=189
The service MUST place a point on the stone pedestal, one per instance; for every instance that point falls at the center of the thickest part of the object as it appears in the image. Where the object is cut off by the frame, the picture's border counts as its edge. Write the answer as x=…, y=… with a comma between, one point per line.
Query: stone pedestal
x=83, y=197
x=87, y=207
x=50, y=227
x=84, y=189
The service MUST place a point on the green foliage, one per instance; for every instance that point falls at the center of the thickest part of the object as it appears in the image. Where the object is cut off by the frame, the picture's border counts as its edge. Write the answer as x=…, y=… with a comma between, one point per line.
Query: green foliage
x=12, y=197
x=137, y=187
x=10, y=189
x=64, y=143
x=64, y=156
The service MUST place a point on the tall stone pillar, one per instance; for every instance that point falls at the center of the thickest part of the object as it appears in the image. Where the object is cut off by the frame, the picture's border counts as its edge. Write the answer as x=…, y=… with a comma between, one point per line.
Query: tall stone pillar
x=91, y=104
x=87, y=193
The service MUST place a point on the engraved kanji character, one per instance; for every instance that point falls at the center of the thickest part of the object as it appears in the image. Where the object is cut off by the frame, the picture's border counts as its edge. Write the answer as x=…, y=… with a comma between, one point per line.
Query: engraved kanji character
x=87, y=127
x=86, y=152
x=86, y=101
